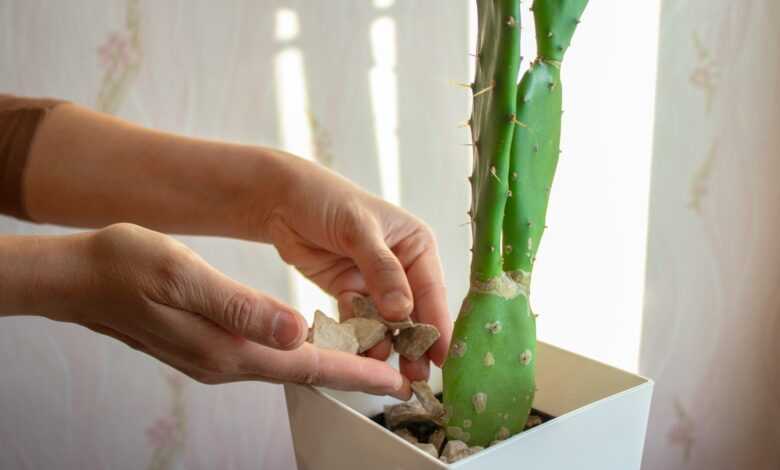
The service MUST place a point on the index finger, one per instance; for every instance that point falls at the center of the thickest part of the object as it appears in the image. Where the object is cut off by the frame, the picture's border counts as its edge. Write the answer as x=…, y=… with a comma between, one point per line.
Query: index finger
x=426, y=279
x=323, y=367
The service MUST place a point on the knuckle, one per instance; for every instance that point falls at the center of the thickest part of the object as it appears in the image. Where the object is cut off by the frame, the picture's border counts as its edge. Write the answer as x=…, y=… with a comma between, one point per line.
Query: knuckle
x=427, y=237
x=170, y=274
x=113, y=238
x=121, y=229
x=351, y=223
x=241, y=313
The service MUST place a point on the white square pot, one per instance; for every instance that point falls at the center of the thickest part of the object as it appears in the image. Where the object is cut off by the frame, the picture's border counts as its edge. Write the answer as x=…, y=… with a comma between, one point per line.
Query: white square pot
x=600, y=422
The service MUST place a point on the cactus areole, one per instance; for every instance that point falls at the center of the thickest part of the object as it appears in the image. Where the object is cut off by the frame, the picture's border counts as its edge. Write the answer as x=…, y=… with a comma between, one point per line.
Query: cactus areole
x=489, y=373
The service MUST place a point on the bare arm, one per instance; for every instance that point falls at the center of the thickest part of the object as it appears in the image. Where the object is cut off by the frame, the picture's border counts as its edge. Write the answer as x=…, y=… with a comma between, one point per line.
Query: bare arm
x=90, y=169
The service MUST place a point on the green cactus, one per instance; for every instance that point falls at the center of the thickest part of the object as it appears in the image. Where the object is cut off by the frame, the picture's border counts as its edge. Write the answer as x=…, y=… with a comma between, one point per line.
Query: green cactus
x=489, y=374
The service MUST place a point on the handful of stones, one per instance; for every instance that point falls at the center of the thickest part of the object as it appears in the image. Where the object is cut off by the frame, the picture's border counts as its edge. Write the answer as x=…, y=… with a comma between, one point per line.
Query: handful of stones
x=367, y=328
x=423, y=423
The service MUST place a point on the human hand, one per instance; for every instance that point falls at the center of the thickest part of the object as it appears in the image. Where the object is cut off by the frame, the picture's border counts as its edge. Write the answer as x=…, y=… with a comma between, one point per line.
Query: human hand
x=348, y=241
x=154, y=294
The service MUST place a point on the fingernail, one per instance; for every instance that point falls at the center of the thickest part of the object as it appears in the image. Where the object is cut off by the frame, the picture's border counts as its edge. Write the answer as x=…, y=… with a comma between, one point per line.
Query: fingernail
x=285, y=328
x=396, y=301
x=402, y=390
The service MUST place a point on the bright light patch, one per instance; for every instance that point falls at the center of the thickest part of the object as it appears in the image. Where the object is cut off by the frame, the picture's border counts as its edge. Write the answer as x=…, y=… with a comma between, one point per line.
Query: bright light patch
x=384, y=101
x=382, y=4
x=287, y=26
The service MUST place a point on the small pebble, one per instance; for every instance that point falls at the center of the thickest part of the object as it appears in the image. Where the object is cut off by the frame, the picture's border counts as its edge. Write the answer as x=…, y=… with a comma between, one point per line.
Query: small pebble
x=406, y=435
x=364, y=307
x=533, y=420
x=413, y=342
x=456, y=450
x=405, y=413
x=428, y=448
x=369, y=332
x=329, y=334
x=427, y=398
x=453, y=450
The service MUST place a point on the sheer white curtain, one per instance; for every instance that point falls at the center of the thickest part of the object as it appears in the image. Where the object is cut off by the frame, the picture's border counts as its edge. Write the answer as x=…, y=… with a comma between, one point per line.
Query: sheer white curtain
x=365, y=88
x=712, y=306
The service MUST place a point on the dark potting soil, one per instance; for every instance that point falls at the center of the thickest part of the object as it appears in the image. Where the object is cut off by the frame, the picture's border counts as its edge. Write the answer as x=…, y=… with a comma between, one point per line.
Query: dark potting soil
x=423, y=430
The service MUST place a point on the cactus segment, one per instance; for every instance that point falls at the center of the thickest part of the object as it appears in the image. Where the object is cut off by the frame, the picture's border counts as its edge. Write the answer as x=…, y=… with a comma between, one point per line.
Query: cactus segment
x=489, y=373
x=534, y=159
x=495, y=90
x=491, y=366
x=556, y=21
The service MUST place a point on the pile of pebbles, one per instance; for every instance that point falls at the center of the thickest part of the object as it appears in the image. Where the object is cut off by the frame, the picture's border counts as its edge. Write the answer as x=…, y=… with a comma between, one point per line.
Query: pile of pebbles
x=422, y=423
x=367, y=328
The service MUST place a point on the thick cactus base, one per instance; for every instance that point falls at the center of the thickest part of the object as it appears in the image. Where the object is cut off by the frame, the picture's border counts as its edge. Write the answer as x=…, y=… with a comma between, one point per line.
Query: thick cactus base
x=489, y=374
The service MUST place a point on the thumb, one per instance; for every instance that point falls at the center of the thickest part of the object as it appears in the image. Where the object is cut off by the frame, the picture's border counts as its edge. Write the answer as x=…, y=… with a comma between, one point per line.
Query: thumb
x=248, y=313
x=385, y=276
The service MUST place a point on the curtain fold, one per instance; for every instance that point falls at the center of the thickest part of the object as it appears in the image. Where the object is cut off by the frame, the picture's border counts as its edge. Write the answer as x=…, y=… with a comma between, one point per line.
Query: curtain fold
x=712, y=304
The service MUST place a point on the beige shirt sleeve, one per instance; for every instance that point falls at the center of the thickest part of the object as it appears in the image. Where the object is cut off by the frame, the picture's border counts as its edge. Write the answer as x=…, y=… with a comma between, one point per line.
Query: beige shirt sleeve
x=19, y=119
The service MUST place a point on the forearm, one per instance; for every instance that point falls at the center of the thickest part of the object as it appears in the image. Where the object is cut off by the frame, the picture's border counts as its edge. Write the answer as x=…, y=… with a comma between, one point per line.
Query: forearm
x=89, y=169
x=39, y=275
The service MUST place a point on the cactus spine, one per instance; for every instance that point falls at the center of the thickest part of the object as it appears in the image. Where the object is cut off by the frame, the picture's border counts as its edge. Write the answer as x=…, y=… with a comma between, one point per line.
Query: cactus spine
x=489, y=374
